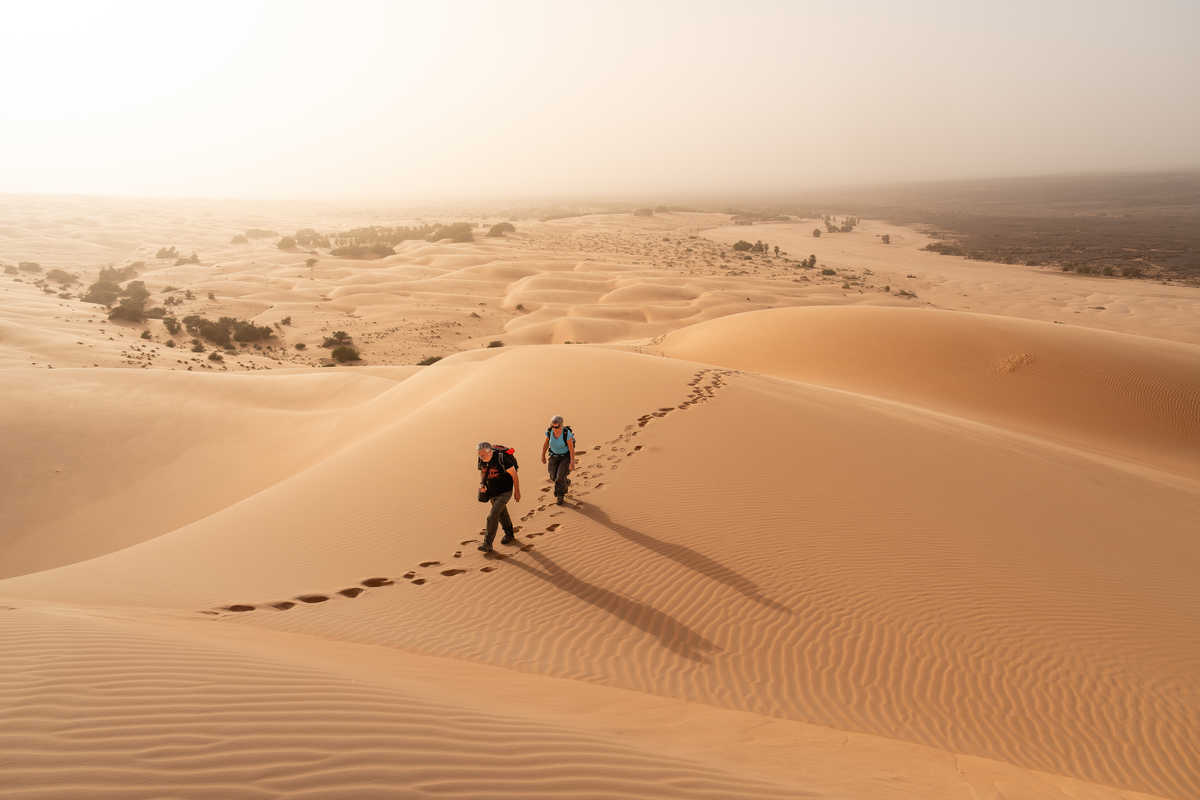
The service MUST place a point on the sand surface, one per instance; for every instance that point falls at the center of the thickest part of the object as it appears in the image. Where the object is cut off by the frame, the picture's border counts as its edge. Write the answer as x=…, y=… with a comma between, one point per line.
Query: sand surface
x=824, y=540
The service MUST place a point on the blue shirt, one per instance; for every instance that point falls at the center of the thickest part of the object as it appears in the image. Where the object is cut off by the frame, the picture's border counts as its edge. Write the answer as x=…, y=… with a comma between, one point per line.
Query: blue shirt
x=558, y=445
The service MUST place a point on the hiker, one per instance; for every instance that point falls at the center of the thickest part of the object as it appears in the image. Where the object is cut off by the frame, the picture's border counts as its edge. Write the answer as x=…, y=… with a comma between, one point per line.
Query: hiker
x=560, y=441
x=498, y=483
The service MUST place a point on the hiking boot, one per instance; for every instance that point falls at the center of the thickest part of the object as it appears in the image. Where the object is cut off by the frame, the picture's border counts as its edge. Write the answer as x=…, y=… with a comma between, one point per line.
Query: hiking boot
x=560, y=499
x=508, y=539
x=485, y=548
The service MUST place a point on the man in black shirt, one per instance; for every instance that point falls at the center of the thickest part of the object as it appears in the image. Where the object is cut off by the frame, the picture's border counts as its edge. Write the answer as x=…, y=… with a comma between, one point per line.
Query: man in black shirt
x=498, y=482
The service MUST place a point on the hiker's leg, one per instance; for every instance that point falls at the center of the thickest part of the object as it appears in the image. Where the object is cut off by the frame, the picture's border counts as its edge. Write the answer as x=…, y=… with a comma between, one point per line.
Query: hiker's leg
x=560, y=478
x=552, y=466
x=494, y=516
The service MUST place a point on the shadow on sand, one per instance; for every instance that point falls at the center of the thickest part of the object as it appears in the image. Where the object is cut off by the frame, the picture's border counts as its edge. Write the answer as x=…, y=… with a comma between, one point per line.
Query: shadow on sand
x=673, y=634
x=687, y=557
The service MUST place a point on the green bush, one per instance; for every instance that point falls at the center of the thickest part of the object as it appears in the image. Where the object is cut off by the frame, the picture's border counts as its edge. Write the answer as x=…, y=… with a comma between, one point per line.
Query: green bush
x=338, y=338
x=61, y=276
x=192, y=259
x=103, y=292
x=344, y=353
x=377, y=250
x=286, y=243
x=172, y=325
x=816, y=233
x=146, y=334
x=307, y=237
x=828, y=271
x=495, y=343
x=741, y=245
x=301, y=346
x=215, y=355
x=425, y=362
x=455, y=232
x=501, y=228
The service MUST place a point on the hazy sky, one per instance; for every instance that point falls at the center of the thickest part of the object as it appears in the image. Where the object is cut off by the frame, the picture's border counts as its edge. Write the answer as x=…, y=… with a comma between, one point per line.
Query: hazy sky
x=441, y=99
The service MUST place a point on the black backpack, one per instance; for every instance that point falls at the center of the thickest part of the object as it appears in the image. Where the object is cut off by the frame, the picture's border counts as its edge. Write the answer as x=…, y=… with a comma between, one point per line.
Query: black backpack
x=507, y=458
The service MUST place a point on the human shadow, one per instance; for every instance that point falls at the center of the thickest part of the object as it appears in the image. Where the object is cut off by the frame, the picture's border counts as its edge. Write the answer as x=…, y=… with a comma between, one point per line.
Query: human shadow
x=687, y=557
x=673, y=634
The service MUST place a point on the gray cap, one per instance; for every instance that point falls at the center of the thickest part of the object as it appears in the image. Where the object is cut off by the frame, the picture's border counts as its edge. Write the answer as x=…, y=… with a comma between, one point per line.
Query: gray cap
x=484, y=446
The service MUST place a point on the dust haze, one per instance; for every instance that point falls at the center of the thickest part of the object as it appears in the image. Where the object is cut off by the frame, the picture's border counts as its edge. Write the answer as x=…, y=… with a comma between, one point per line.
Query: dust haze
x=475, y=100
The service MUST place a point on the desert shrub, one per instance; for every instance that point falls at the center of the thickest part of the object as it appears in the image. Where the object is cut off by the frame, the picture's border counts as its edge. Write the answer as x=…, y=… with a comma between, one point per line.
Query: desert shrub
x=286, y=243
x=1109, y=271
x=380, y=234
x=906, y=293
x=455, y=232
x=377, y=250
x=9, y=269
x=167, y=252
x=146, y=334
x=61, y=276
x=260, y=233
x=103, y=292
x=1131, y=272
x=244, y=331
x=495, y=343
x=130, y=310
x=945, y=248
x=1068, y=268
x=828, y=271
x=741, y=245
x=215, y=355
x=425, y=362
x=239, y=238
x=344, y=353
x=811, y=261
x=29, y=266
x=172, y=325
x=886, y=238
x=158, y=312
x=115, y=275
x=173, y=301
x=337, y=338
x=192, y=259
x=501, y=228
x=816, y=233
x=301, y=346
x=643, y=212
x=286, y=321
x=169, y=342
x=136, y=290
x=307, y=237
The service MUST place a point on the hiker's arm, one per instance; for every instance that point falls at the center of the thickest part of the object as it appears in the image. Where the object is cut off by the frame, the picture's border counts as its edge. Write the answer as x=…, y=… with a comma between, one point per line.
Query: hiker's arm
x=571, y=445
x=545, y=445
x=483, y=480
x=516, y=483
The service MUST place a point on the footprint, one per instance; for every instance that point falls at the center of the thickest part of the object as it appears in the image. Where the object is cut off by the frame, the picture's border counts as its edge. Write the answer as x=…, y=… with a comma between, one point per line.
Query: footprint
x=373, y=582
x=429, y=564
x=458, y=553
x=637, y=447
x=524, y=549
x=239, y=608
x=410, y=574
x=283, y=605
x=452, y=572
x=484, y=569
x=418, y=581
x=535, y=535
x=553, y=526
x=213, y=613
x=312, y=598
x=353, y=591
x=468, y=541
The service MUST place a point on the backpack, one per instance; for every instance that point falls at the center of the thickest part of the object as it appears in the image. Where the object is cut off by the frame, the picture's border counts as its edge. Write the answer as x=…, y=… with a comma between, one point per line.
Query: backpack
x=508, y=458
x=566, y=430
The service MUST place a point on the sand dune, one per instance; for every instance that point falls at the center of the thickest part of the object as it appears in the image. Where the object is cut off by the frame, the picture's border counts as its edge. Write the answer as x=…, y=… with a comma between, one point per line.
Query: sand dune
x=823, y=540
x=1122, y=395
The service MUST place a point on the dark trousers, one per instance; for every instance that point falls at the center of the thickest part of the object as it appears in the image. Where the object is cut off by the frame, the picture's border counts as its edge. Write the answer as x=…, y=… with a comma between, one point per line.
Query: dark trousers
x=559, y=466
x=499, y=516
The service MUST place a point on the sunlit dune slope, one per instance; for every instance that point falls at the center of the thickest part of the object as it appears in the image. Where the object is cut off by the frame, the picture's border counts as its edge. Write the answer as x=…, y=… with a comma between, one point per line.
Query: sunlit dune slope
x=1128, y=396
x=738, y=540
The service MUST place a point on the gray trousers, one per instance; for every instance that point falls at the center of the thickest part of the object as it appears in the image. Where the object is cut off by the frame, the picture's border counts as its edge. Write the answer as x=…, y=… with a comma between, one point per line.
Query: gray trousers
x=499, y=516
x=559, y=466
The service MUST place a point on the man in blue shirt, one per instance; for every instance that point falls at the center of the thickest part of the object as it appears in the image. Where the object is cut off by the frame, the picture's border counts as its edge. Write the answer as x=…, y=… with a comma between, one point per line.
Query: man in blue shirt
x=560, y=442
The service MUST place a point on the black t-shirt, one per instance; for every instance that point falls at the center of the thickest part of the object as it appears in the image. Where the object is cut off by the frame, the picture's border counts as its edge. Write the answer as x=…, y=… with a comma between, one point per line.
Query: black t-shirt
x=496, y=478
